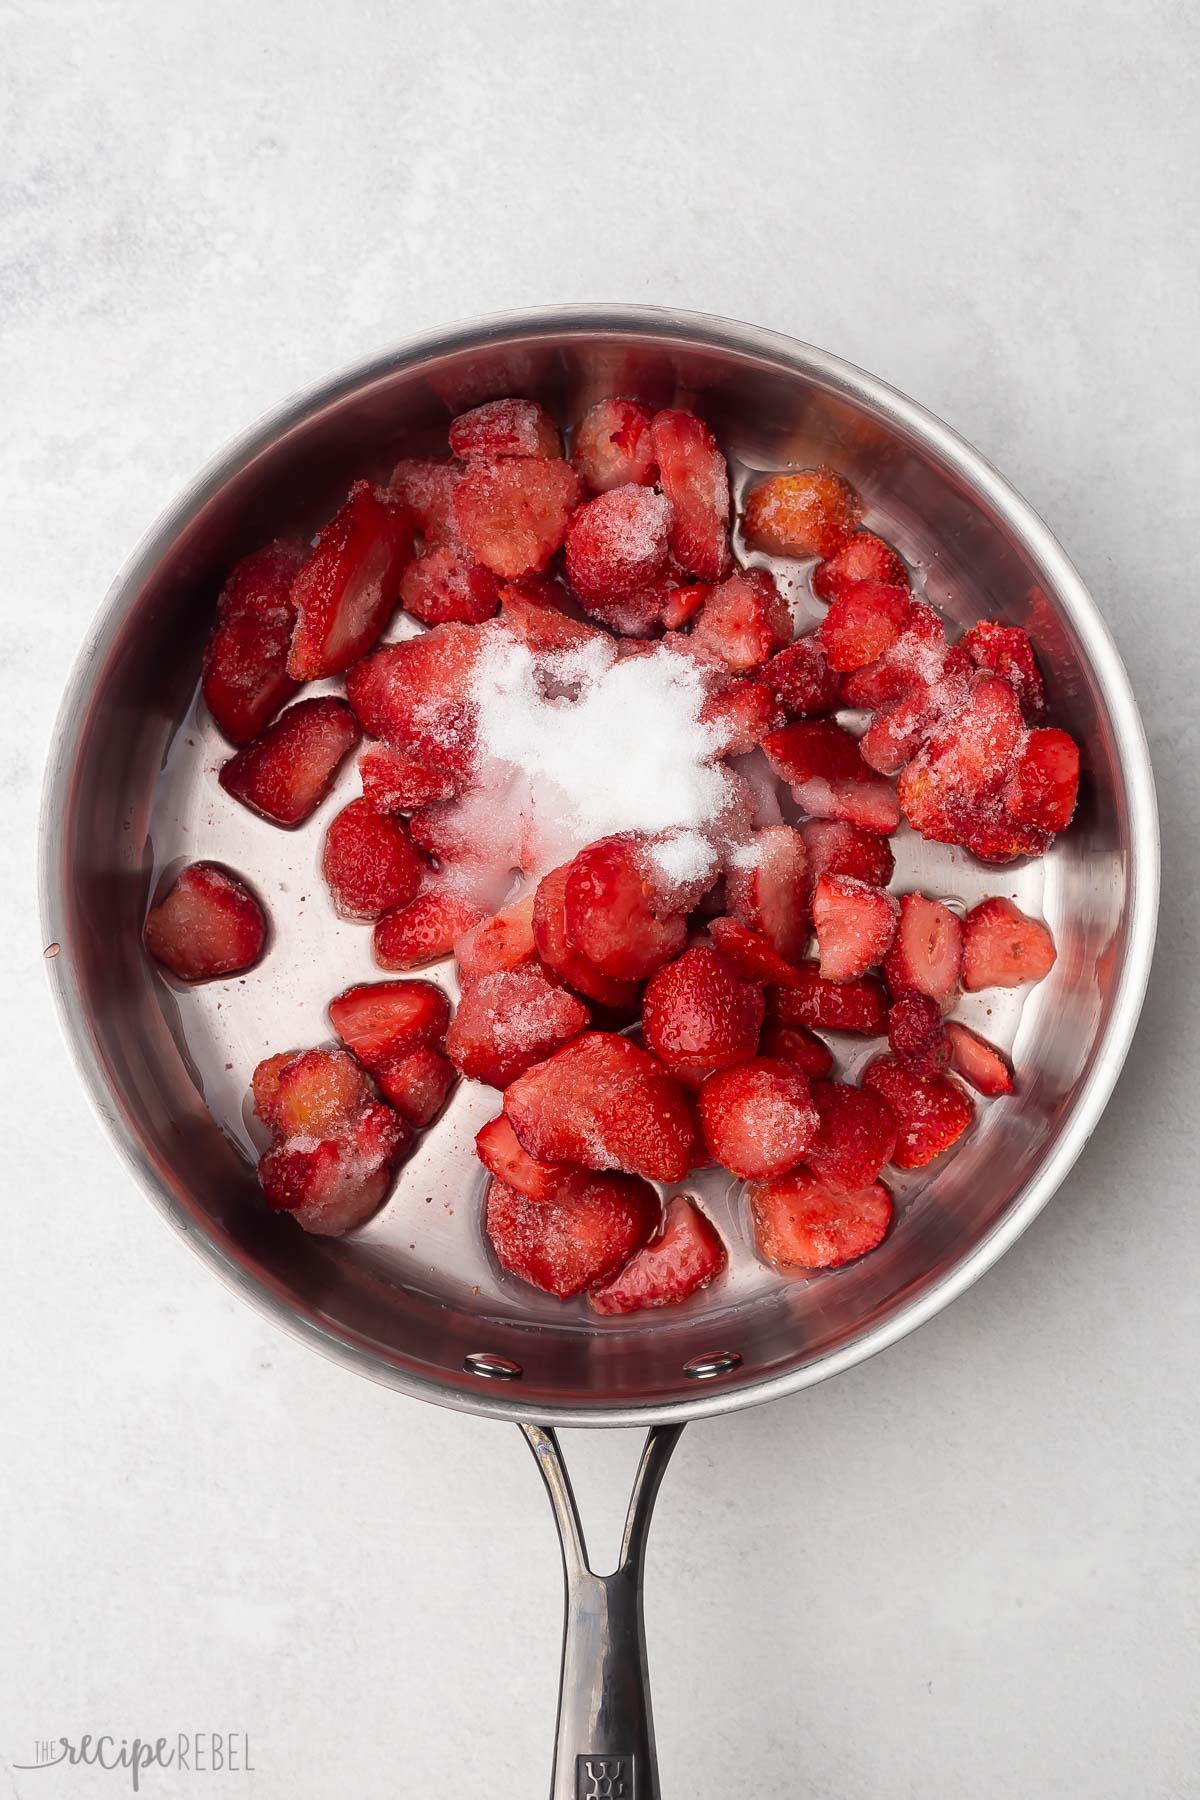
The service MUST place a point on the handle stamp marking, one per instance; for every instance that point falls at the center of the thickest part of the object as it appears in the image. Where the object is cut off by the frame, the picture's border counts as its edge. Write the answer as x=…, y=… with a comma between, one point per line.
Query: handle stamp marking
x=604, y=1778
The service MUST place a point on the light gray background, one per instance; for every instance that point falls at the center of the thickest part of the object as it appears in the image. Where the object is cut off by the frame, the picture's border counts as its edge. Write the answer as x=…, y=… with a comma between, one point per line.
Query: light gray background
x=967, y=1569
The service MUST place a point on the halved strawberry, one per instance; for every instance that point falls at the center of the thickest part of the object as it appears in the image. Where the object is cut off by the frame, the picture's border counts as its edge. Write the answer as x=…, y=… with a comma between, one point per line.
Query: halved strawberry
x=383, y=1020
x=863, y=557
x=945, y=789
x=749, y=953
x=698, y=1015
x=609, y=916
x=500, y=1151
x=424, y=930
x=743, y=622
x=637, y=615
x=863, y=623
x=506, y=1022
x=208, y=923
x=796, y=1044
x=245, y=662
x=859, y=1006
x=987, y=1069
x=603, y=1102
x=512, y=511
x=417, y=1084
x=856, y=1137
x=575, y=1241
x=685, y=1256
x=738, y=717
x=426, y=486
x=835, y=847
x=393, y=781
x=1006, y=650
x=337, y=1183
x=765, y=888
x=916, y=1034
x=309, y=1093
x=810, y=513
x=416, y=695
x=869, y=802
x=802, y=679
x=289, y=768
x=1003, y=947
x=617, y=543
x=444, y=584
x=1046, y=785
x=758, y=1118
x=346, y=591
x=559, y=953
x=369, y=862
x=541, y=617
x=813, y=747
x=855, y=925
x=695, y=479
x=505, y=428
x=800, y=1222
x=916, y=658
x=613, y=446
x=931, y=1111
x=900, y=728
x=928, y=949
x=505, y=941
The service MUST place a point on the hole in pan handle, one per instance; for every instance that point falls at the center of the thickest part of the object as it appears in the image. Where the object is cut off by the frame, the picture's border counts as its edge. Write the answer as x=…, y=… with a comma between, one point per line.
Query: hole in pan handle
x=604, y=1743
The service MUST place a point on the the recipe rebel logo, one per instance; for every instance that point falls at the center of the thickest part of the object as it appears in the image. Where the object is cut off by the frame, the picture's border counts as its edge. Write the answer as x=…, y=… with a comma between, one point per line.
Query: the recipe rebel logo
x=187, y=1752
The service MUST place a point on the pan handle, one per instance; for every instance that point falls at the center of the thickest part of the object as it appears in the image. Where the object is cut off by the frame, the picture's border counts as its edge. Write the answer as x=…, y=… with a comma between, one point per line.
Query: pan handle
x=604, y=1744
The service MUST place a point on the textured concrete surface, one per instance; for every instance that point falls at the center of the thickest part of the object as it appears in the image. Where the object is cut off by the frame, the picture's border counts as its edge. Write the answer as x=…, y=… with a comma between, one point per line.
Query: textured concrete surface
x=966, y=1569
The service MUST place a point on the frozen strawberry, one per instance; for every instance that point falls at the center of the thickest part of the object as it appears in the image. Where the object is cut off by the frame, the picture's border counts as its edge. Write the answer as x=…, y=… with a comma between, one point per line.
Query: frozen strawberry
x=561, y=955
x=499, y=1150
x=512, y=511
x=425, y=930
x=796, y=1044
x=916, y=1034
x=505, y=941
x=749, y=954
x=542, y=618
x=245, y=662
x=862, y=558
x=836, y=847
x=613, y=446
x=758, y=1118
x=685, y=1256
x=901, y=727
x=813, y=747
x=698, y=1015
x=1003, y=947
x=617, y=543
x=855, y=925
x=967, y=760
x=369, y=862
x=426, y=486
x=988, y=830
x=639, y=614
x=287, y=771
x=381, y=1021
x=417, y=1084
x=801, y=1222
x=1007, y=651
x=505, y=428
x=347, y=590
x=416, y=695
x=916, y=658
x=444, y=584
x=335, y=1184
x=1046, y=785
x=609, y=911
x=603, y=1102
x=575, y=1241
x=695, y=480
x=928, y=949
x=207, y=924
x=765, y=889
x=739, y=716
x=870, y=802
x=811, y=513
x=310, y=1093
x=682, y=868
x=931, y=1111
x=860, y=1006
x=508, y=1021
x=743, y=622
x=979, y=1063
x=802, y=679
x=393, y=781
x=863, y=623
x=856, y=1136
x=683, y=603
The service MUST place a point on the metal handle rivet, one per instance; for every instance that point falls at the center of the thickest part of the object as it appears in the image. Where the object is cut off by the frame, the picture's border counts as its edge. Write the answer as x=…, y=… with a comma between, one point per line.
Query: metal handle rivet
x=717, y=1362
x=495, y=1368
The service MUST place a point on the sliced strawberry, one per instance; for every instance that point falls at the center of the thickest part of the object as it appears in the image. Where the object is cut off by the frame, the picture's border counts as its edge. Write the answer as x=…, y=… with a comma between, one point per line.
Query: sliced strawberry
x=603, y=1102
x=863, y=623
x=613, y=446
x=309, y=1093
x=1046, y=785
x=333, y=1185
x=288, y=770
x=505, y=428
x=945, y=790
x=508, y=1021
x=445, y=584
x=899, y=730
x=417, y=1084
x=640, y=614
x=765, y=888
x=245, y=662
x=743, y=622
x=758, y=1118
x=575, y=1241
x=856, y=1137
x=859, y=1006
x=369, y=862
x=698, y=1015
x=867, y=802
x=836, y=847
x=802, y=679
x=928, y=949
x=347, y=590
x=683, y=603
x=609, y=916
x=617, y=543
x=987, y=1069
x=1003, y=947
x=208, y=923
x=424, y=930
x=796, y=1044
x=1006, y=650
x=381, y=1021
x=916, y=658
x=695, y=479
x=395, y=782
x=560, y=954
x=505, y=941
x=811, y=513
x=738, y=717
x=512, y=511
x=916, y=1034
x=499, y=1150
x=416, y=695
x=931, y=1111
x=855, y=925
x=863, y=557
x=749, y=954
x=541, y=617
x=813, y=747
x=800, y=1222
x=426, y=486
x=685, y=1256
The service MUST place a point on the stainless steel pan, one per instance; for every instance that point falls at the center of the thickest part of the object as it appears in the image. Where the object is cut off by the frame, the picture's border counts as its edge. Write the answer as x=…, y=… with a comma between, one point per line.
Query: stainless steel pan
x=413, y=1300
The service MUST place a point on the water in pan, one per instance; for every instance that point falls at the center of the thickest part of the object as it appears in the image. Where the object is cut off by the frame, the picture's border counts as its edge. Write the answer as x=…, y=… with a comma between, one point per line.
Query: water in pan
x=428, y=1236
